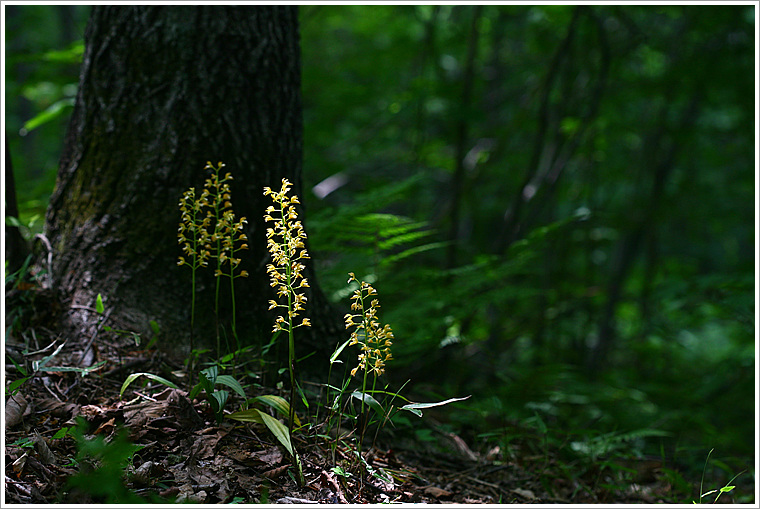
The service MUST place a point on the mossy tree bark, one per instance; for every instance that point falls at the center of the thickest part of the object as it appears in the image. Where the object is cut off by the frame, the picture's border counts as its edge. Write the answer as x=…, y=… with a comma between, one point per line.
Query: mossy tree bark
x=162, y=91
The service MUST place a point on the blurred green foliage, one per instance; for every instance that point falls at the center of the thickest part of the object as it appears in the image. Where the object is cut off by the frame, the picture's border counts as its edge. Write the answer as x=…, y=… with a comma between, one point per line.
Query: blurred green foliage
x=556, y=202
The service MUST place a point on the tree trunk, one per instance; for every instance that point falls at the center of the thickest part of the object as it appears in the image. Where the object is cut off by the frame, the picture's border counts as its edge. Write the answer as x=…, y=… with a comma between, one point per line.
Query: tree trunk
x=162, y=91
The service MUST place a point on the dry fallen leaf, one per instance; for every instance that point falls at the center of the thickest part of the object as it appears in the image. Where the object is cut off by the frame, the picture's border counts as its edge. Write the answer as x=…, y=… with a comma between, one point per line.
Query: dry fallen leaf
x=524, y=493
x=15, y=406
x=436, y=492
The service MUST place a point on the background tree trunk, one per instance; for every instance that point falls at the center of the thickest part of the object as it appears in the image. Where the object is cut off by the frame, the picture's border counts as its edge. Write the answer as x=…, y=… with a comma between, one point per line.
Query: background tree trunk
x=162, y=91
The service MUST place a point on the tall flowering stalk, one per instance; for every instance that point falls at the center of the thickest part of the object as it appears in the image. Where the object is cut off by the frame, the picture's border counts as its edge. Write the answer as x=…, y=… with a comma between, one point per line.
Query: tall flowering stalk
x=225, y=235
x=285, y=241
x=374, y=340
x=233, y=240
x=209, y=229
x=192, y=235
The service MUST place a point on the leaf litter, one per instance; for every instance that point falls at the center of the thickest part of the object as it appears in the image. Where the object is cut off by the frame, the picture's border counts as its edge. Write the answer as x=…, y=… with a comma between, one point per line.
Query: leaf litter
x=182, y=455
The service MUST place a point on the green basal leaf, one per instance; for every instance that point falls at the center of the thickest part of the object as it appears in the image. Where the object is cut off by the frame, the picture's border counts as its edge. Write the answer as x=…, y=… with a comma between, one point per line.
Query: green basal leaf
x=211, y=374
x=415, y=407
x=194, y=391
x=38, y=365
x=370, y=401
x=131, y=378
x=218, y=400
x=279, y=430
x=231, y=383
x=99, y=304
x=279, y=404
x=81, y=371
x=249, y=415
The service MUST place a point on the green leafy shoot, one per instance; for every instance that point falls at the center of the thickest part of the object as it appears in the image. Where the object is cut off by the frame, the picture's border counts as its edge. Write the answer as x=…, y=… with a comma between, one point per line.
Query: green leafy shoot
x=134, y=376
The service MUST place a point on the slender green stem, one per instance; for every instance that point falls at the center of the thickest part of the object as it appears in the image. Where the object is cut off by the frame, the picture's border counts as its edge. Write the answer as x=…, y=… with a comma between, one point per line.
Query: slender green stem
x=234, y=324
x=364, y=379
x=291, y=340
x=192, y=320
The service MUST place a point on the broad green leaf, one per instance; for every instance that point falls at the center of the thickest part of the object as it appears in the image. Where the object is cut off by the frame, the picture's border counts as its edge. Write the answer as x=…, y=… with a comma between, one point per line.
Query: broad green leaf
x=11, y=388
x=249, y=415
x=415, y=407
x=194, y=391
x=211, y=373
x=279, y=404
x=61, y=433
x=231, y=383
x=99, y=304
x=279, y=430
x=131, y=378
x=205, y=383
x=218, y=400
x=369, y=400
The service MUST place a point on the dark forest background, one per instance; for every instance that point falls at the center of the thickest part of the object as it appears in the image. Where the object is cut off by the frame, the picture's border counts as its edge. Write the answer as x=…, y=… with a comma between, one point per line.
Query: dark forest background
x=556, y=204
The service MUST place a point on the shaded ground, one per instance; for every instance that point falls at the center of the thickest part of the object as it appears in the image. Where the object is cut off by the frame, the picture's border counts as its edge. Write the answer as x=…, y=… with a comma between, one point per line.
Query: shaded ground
x=182, y=454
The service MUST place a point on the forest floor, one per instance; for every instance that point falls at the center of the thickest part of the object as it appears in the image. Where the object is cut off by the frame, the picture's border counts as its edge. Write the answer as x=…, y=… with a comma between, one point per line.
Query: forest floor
x=71, y=438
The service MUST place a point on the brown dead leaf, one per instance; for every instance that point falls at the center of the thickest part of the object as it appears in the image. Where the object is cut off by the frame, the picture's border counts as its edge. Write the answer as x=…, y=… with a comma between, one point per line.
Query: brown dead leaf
x=275, y=472
x=204, y=446
x=330, y=482
x=59, y=409
x=271, y=456
x=107, y=427
x=92, y=412
x=461, y=446
x=527, y=494
x=15, y=406
x=43, y=451
x=436, y=492
x=19, y=463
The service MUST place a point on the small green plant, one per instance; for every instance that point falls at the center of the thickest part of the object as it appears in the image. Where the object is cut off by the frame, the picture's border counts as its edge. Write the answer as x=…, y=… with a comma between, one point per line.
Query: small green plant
x=725, y=489
x=134, y=376
x=285, y=242
x=13, y=387
x=207, y=380
x=374, y=341
x=102, y=466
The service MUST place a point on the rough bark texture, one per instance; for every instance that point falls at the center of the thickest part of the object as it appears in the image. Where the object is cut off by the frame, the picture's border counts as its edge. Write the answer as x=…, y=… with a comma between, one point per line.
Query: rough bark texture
x=162, y=91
